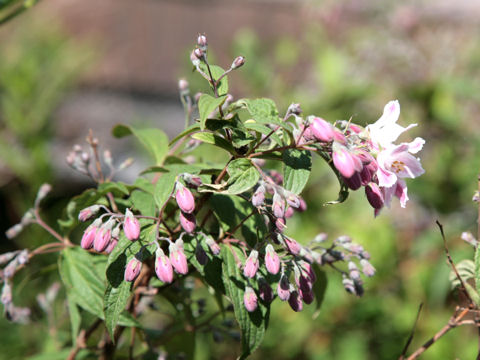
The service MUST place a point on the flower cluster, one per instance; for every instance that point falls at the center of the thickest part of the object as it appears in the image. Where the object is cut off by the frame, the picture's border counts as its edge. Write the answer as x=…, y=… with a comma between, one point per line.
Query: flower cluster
x=368, y=156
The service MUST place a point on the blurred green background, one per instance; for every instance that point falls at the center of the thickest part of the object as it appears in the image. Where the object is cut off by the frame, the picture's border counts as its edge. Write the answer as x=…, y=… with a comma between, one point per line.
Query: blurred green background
x=338, y=59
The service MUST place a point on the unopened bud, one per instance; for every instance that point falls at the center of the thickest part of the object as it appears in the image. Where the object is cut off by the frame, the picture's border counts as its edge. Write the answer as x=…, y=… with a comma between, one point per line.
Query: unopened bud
x=374, y=195
x=128, y=162
x=469, y=238
x=107, y=157
x=202, y=42
x=283, y=288
x=14, y=231
x=295, y=301
x=131, y=226
x=85, y=157
x=354, y=182
x=111, y=245
x=22, y=258
x=258, y=197
x=239, y=61
x=188, y=222
x=194, y=59
x=133, y=269
x=278, y=206
x=294, y=109
x=250, y=299
x=292, y=246
x=367, y=268
x=321, y=130
x=320, y=238
x=178, y=259
x=251, y=265
x=353, y=270
x=272, y=260
x=199, y=53
x=42, y=192
x=163, y=266
x=214, y=247
x=6, y=297
x=280, y=224
x=77, y=148
x=292, y=199
x=10, y=269
x=343, y=160
x=185, y=199
x=88, y=212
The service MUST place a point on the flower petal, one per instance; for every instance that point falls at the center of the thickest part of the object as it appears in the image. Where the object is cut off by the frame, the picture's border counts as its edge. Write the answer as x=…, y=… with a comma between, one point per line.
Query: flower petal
x=401, y=192
x=416, y=145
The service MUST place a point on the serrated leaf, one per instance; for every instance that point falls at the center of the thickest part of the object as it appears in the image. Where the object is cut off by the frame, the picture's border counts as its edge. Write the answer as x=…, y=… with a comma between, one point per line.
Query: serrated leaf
x=154, y=140
x=213, y=139
x=296, y=169
x=252, y=325
x=231, y=210
x=164, y=189
x=242, y=176
x=75, y=319
x=264, y=111
x=206, y=105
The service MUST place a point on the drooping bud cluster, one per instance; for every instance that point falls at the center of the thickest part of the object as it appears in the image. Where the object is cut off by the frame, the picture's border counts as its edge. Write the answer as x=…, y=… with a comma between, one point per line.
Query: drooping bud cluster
x=176, y=261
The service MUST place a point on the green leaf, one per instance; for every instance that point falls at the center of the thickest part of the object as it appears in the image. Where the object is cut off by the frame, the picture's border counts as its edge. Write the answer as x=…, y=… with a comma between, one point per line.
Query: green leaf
x=79, y=272
x=164, y=189
x=242, y=176
x=143, y=202
x=75, y=319
x=117, y=292
x=477, y=268
x=216, y=140
x=154, y=140
x=231, y=210
x=296, y=170
x=90, y=197
x=206, y=105
x=241, y=137
x=186, y=132
x=217, y=71
x=319, y=288
x=252, y=325
x=262, y=129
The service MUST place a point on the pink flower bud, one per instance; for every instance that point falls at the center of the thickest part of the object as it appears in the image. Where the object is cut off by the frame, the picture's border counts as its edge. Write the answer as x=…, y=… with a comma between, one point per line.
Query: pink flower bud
x=194, y=59
x=111, y=245
x=293, y=246
x=294, y=109
x=289, y=212
x=239, y=61
x=163, y=266
x=278, y=206
x=6, y=297
x=133, y=269
x=303, y=205
x=295, y=301
x=188, y=222
x=131, y=226
x=14, y=231
x=307, y=296
x=374, y=195
x=88, y=212
x=258, y=197
x=292, y=199
x=250, y=299
x=366, y=175
x=354, y=182
x=339, y=137
x=343, y=161
x=367, y=268
x=192, y=180
x=183, y=85
x=202, y=41
x=322, y=130
x=357, y=129
x=309, y=271
x=276, y=177
x=102, y=238
x=199, y=53
x=185, y=199
x=214, y=247
x=272, y=261
x=251, y=265
x=178, y=259
x=280, y=224
x=283, y=288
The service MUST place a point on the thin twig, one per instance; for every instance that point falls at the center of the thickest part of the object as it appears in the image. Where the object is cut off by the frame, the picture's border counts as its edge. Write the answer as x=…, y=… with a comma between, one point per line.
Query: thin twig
x=412, y=332
x=452, y=264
